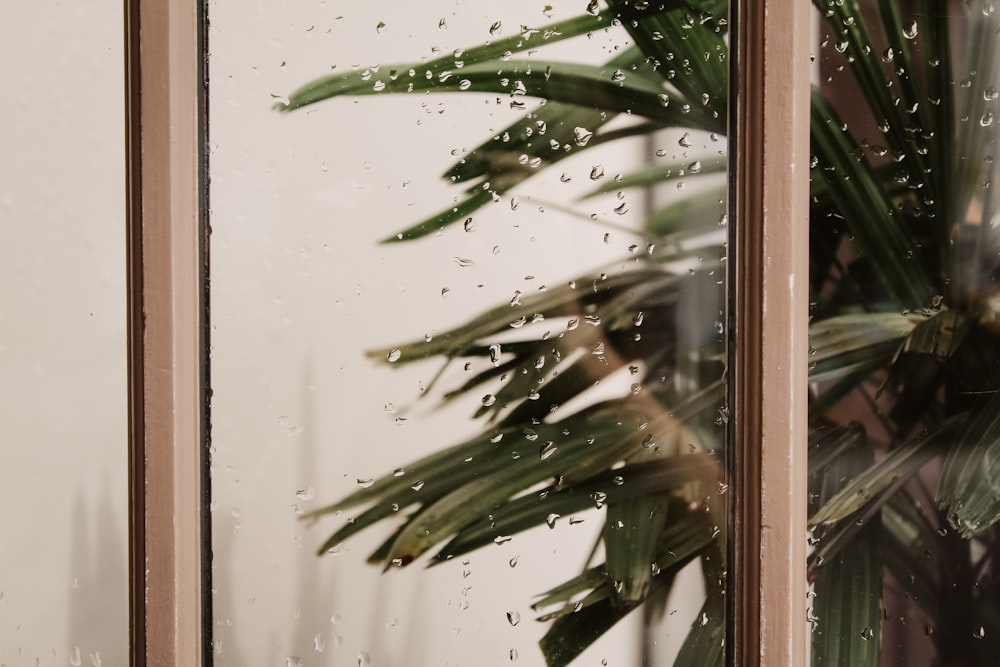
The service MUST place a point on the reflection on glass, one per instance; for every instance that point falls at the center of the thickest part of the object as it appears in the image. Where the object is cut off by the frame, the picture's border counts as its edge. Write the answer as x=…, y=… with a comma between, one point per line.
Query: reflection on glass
x=905, y=440
x=512, y=374
x=63, y=416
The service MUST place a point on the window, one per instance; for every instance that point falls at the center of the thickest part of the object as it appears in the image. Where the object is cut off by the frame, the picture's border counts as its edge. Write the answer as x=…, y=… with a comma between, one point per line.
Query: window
x=168, y=417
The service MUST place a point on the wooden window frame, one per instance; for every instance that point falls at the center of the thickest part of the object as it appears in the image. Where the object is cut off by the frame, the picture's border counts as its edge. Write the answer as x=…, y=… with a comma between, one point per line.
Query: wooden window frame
x=169, y=546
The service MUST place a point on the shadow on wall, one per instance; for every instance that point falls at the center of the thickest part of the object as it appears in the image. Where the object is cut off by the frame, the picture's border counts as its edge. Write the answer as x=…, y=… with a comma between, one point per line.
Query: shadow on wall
x=98, y=599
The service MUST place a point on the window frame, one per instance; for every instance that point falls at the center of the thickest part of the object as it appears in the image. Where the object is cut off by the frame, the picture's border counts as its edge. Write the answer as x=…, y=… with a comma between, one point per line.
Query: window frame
x=167, y=268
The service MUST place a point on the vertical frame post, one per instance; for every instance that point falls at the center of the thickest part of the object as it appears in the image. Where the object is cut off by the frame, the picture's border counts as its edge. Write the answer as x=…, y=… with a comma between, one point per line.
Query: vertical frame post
x=769, y=338
x=167, y=415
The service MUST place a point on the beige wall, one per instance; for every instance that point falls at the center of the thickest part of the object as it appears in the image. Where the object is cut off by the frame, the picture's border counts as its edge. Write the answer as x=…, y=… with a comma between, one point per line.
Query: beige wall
x=62, y=336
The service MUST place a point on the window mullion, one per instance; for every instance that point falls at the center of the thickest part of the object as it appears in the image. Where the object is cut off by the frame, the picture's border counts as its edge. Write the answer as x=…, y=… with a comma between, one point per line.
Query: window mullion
x=166, y=381
x=769, y=341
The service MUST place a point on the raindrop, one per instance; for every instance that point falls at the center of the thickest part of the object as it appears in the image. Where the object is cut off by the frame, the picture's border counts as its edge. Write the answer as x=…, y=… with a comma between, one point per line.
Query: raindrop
x=469, y=225
x=307, y=493
x=513, y=561
x=911, y=31
x=867, y=634
x=495, y=354
x=293, y=661
x=547, y=450
x=592, y=8
x=380, y=27
x=582, y=135
x=364, y=660
x=489, y=399
x=694, y=167
x=394, y=355
x=888, y=55
x=621, y=209
x=685, y=140
x=596, y=172
x=495, y=28
x=513, y=618
x=379, y=86
x=502, y=539
x=74, y=657
x=513, y=655
x=990, y=94
x=416, y=486
x=365, y=483
x=464, y=84
x=664, y=99
x=987, y=119
x=618, y=76
x=988, y=9
x=550, y=520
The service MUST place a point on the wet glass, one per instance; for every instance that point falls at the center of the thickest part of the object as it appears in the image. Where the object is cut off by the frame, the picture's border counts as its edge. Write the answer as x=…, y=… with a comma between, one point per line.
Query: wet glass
x=512, y=372
x=905, y=401
x=63, y=415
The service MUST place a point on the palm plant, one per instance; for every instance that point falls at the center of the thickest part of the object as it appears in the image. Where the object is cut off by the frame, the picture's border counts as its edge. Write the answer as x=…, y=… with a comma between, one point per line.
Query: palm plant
x=904, y=445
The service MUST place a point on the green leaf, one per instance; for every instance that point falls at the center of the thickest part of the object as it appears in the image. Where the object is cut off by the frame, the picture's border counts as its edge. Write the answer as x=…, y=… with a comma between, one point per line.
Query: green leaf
x=880, y=234
x=970, y=479
x=866, y=487
x=848, y=585
x=562, y=500
x=329, y=86
x=841, y=344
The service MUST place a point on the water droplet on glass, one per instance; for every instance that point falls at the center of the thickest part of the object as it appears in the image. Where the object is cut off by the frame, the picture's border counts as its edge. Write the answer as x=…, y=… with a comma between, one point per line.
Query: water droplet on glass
x=867, y=633
x=987, y=119
x=513, y=561
x=293, y=661
x=495, y=28
x=378, y=86
x=380, y=27
x=307, y=493
x=394, y=355
x=988, y=9
x=502, y=539
x=489, y=399
x=664, y=99
x=550, y=520
x=74, y=657
x=582, y=135
x=513, y=655
x=416, y=486
x=364, y=660
x=513, y=617
x=910, y=32
x=596, y=172
x=365, y=483
x=685, y=140
x=888, y=55
x=547, y=450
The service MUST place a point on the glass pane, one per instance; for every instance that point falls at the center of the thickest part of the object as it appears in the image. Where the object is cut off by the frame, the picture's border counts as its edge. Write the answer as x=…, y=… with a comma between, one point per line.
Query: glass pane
x=63, y=414
x=905, y=440
x=513, y=372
